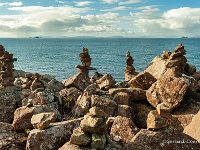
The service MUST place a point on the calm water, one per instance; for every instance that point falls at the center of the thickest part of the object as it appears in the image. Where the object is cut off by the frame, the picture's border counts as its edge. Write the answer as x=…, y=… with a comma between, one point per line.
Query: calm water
x=58, y=57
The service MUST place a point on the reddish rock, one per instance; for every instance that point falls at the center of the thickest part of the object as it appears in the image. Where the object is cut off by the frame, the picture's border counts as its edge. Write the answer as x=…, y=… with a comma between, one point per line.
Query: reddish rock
x=8, y=103
x=122, y=98
x=135, y=93
x=166, y=138
x=123, y=130
x=23, y=115
x=52, y=138
x=182, y=116
x=96, y=111
x=166, y=54
x=106, y=82
x=157, y=67
x=10, y=140
x=143, y=80
x=154, y=121
x=93, y=124
x=141, y=110
x=79, y=137
x=82, y=105
x=80, y=81
x=124, y=111
x=193, y=129
x=42, y=120
x=163, y=111
x=167, y=90
x=105, y=103
x=70, y=146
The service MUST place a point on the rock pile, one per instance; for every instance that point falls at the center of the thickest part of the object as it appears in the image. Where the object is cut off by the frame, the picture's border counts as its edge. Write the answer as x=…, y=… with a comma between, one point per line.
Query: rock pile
x=81, y=80
x=92, y=130
x=153, y=109
x=6, y=67
x=176, y=62
x=129, y=72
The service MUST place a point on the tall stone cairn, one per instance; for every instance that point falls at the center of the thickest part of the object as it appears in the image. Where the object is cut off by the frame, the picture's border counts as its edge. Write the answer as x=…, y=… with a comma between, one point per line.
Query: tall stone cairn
x=86, y=61
x=6, y=67
x=129, y=72
x=176, y=62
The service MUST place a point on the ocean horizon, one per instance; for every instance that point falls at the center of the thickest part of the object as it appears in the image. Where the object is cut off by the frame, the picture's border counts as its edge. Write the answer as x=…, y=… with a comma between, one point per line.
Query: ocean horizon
x=59, y=56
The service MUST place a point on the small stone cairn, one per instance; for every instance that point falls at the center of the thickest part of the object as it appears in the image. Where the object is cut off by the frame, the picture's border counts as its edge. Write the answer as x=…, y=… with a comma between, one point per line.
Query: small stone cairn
x=6, y=67
x=86, y=62
x=92, y=130
x=176, y=62
x=129, y=72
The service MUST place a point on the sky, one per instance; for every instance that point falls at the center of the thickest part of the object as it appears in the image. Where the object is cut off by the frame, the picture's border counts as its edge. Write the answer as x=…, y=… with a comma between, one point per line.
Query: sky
x=99, y=18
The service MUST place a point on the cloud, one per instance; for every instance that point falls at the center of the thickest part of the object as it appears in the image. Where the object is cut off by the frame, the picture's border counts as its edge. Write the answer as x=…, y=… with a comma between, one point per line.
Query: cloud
x=119, y=8
x=110, y=1
x=11, y=4
x=175, y=22
x=84, y=3
x=129, y=2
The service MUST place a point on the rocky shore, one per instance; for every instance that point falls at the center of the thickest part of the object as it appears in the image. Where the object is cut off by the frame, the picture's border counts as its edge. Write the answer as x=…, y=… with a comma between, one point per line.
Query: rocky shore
x=154, y=109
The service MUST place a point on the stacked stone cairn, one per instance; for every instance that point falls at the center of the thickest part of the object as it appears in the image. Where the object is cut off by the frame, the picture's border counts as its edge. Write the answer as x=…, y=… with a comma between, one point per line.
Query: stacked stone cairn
x=81, y=80
x=176, y=62
x=92, y=130
x=6, y=67
x=129, y=72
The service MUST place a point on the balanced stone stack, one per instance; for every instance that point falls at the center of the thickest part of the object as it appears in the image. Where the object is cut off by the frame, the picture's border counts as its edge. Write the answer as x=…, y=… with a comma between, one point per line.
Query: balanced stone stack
x=6, y=67
x=176, y=62
x=92, y=130
x=81, y=80
x=129, y=72
x=86, y=61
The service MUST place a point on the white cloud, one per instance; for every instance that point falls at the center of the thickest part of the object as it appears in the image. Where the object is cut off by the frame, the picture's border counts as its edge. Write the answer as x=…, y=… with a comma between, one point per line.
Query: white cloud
x=119, y=8
x=11, y=4
x=15, y=4
x=110, y=1
x=129, y=2
x=84, y=3
x=175, y=22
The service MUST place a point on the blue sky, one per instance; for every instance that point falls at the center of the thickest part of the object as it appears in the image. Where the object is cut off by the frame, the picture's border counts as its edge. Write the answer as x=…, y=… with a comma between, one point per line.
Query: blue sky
x=100, y=18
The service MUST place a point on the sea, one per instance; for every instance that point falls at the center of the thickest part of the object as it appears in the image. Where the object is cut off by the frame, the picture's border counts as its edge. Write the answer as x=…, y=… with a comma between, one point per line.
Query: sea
x=59, y=56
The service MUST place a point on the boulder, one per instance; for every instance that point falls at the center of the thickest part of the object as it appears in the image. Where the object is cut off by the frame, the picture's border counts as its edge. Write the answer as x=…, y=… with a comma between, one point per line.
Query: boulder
x=82, y=105
x=122, y=98
x=96, y=77
x=98, y=141
x=182, y=116
x=40, y=97
x=42, y=120
x=80, y=81
x=52, y=138
x=124, y=111
x=154, y=121
x=69, y=97
x=105, y=103
x=166, y=138
x=140, y=113
x=135, y=93
x=157, y=67
x=96, y=111
x=106, y=82
x=167, y=90
x=23, y=115
x=193, y=129
x=143, y=80
x=79, y=137
x=163, y=111
x=70, y=146
x=8, y=104
x=92, y=124
x=123, y=130
x=10, y=140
